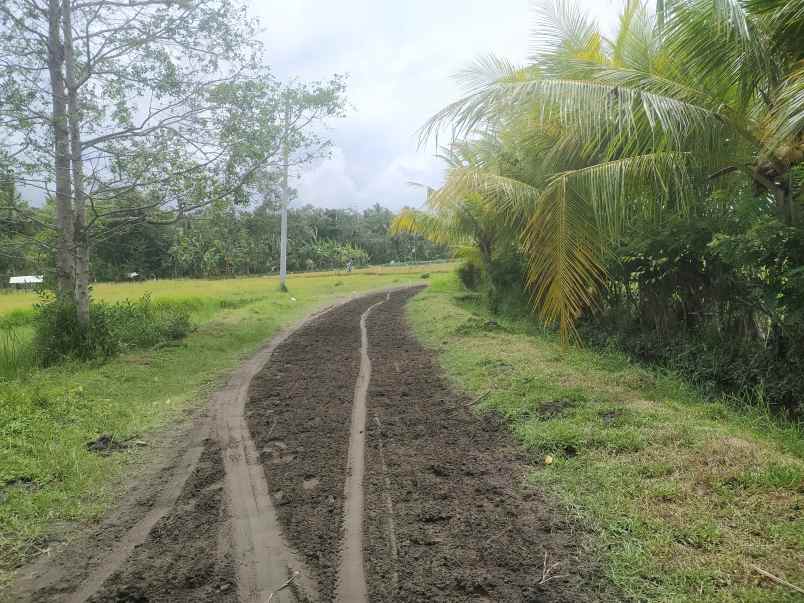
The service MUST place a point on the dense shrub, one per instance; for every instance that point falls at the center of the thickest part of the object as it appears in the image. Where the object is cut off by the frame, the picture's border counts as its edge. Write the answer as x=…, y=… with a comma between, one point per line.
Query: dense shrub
x=505, y=282
x=717, y=297
x=501, y=280
x=112, y=329
x=470, y=275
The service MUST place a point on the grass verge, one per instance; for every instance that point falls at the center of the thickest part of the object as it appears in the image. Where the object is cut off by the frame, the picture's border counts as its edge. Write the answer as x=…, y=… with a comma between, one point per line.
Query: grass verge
x=50, y=481
x=686, y=496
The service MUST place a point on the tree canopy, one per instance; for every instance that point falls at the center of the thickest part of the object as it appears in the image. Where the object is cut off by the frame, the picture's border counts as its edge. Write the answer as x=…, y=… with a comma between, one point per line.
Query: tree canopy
x=694, y=97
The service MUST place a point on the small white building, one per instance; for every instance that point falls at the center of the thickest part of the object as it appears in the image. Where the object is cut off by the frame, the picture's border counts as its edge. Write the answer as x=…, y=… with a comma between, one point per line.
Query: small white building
x=26, y=281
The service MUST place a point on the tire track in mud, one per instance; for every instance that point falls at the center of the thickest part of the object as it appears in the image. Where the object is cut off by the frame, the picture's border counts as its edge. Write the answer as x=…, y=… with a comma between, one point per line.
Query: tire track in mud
x=446, y=515
x=351, y=585
x=265, y=562
x=182, y=558
x=299, y=414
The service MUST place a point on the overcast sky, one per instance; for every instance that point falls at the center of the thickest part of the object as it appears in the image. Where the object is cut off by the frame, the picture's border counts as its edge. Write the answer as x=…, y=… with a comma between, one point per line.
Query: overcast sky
x=400, y=58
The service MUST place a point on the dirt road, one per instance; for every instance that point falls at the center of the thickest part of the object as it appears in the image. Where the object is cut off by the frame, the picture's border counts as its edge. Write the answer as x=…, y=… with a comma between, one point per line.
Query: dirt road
x=336, y=465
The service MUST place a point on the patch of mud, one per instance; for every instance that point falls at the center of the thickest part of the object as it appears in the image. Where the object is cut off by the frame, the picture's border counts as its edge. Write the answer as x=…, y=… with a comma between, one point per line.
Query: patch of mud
x=298, y=413
x=464, y=527
x=181, y=559
x=22, y=482
x=612, y=417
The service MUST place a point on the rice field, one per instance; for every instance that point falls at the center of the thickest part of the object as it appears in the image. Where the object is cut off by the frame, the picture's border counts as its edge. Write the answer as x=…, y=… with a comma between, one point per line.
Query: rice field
x=13, y=302
x=203, y=297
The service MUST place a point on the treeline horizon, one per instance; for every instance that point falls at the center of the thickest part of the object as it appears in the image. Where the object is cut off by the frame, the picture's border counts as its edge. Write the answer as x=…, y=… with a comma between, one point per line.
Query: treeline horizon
x=227, y=242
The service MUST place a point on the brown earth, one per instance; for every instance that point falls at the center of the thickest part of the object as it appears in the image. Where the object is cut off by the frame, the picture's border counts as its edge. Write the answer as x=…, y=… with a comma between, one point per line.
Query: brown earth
x=182, y=559
x=448, y=517
x=467, y=527
x=299, y=414
x=251, y=496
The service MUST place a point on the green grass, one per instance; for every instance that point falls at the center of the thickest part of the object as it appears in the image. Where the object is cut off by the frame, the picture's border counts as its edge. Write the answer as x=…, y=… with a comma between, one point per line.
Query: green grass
x=203, y=298
x=48, y=479
x=18, y=305
x=683, y=495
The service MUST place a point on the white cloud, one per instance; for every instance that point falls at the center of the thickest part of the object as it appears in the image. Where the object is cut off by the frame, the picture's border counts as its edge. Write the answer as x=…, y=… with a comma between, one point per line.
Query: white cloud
x=400, y=57
x=327, y=184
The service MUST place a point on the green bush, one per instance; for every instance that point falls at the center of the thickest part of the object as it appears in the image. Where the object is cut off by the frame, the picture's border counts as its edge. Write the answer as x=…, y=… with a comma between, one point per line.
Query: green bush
x=719, y=298
x=470, y=275
x=112, y=329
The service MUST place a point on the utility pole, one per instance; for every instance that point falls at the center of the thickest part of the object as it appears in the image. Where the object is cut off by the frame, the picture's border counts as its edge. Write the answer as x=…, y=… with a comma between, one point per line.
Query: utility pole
x=283, y=244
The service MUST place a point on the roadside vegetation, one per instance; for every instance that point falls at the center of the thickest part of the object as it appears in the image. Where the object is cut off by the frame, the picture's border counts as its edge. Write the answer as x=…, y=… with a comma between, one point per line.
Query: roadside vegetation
x=685, y=495
x=50, y=480
x=642, y=188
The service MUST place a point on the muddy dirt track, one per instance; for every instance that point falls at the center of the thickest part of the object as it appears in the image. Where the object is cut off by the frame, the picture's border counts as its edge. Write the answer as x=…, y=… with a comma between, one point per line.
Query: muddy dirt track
x=336, y=465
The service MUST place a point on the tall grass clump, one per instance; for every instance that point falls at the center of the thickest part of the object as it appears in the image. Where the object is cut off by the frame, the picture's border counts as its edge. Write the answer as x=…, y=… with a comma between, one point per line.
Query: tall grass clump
x=16, y=352
x=112, y=329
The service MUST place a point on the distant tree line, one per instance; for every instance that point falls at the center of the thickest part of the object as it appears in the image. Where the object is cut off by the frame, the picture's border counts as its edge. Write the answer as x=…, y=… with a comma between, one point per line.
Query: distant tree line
x=231, y=241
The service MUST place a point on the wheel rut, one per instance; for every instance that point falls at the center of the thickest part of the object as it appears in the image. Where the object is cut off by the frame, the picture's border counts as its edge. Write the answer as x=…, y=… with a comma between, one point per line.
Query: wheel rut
x=335, y=465
x=351, y=587
x=390, y=487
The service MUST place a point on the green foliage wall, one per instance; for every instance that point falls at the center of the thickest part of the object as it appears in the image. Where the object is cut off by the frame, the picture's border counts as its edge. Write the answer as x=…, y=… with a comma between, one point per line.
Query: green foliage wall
x=718, y=295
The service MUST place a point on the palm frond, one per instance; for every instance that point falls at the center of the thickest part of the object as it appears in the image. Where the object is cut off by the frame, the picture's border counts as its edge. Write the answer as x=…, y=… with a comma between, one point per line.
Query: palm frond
x=734, y=13
x=721, y=47
x=511, y=199
x=645, y=185
x=562, y=32
x=564, y=270
x=786, y=121
x=578, y=212
x=786, y=22
x=596, y=106
x=485, y=71
x=623, y=41
x=429, y=226
x=470, y=111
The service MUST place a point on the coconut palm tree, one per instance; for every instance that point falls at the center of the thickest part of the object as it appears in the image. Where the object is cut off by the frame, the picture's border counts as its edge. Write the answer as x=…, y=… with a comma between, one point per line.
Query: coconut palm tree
x=463, y=219
x=695, y=95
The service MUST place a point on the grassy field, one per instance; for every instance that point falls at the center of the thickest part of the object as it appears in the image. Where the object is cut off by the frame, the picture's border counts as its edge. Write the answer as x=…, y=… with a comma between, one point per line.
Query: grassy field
x=203, y=297
x=21, y=302
x=49, y=482
x=686, y=497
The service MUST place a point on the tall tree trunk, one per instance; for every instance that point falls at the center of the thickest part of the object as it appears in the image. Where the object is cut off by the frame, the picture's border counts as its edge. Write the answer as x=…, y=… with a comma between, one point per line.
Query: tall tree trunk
x=283, y=228
x=65, y=265
x=81, y=240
